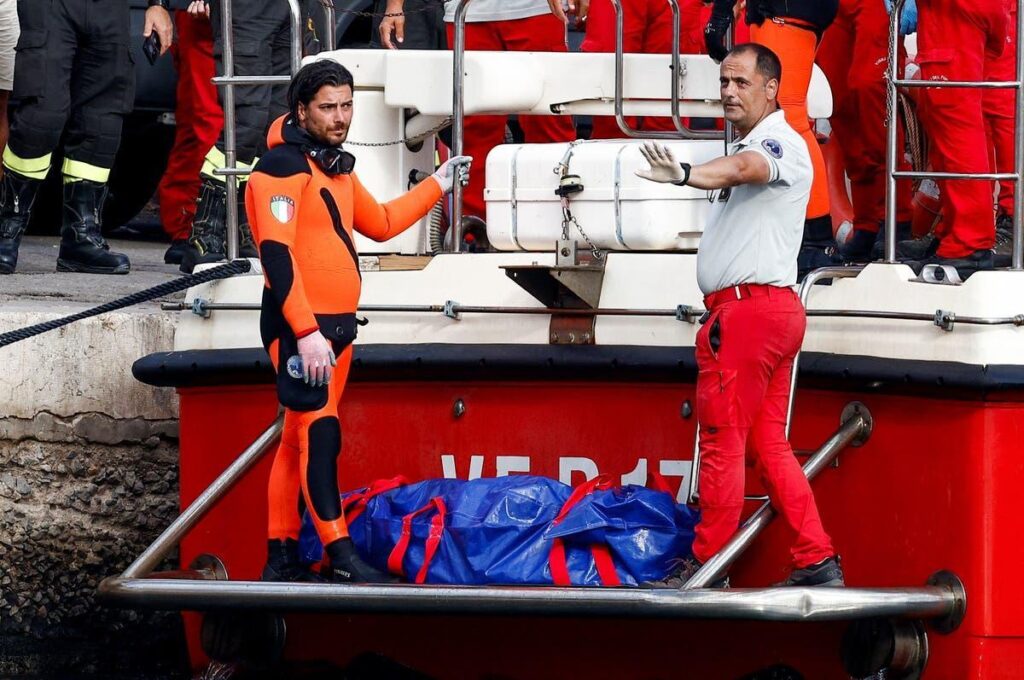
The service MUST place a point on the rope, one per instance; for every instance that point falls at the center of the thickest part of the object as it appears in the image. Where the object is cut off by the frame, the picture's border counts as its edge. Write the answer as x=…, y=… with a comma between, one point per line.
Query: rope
x=222, y=272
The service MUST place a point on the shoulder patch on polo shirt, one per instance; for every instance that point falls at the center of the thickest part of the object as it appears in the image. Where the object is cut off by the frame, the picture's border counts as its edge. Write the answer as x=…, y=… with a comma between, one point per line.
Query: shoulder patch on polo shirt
x=772, y=147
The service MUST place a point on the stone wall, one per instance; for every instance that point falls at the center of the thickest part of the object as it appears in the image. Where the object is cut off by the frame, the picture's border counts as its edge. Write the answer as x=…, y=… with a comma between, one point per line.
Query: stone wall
x=88, y=478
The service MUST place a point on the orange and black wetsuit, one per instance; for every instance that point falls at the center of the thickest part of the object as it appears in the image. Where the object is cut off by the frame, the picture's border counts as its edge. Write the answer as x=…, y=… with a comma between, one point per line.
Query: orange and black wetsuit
x=303, y=221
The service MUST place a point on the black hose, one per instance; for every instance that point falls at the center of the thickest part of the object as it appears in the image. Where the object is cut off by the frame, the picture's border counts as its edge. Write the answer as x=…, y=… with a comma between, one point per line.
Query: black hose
x=222, y=272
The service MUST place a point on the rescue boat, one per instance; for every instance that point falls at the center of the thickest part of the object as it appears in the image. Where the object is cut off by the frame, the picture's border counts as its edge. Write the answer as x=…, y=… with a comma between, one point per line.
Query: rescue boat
x=567, y=350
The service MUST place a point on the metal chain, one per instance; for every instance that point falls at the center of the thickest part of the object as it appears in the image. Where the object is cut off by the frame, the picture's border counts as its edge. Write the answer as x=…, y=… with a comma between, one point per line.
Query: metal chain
x=432, y=131
x=562, y=169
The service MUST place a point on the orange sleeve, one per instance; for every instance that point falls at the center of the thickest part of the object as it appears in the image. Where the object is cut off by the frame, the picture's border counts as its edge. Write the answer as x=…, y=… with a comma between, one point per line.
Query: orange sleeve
x=384, y=221
x=273, y=206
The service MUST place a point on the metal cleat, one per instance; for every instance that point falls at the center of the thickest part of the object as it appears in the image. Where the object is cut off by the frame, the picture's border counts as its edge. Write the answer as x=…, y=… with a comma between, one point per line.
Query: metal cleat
x=940, y=273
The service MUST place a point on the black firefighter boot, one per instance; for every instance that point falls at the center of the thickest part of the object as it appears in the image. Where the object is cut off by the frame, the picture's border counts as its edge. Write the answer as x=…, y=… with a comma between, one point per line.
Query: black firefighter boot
x=82, y=248
x=17, y=194
x=209, y=230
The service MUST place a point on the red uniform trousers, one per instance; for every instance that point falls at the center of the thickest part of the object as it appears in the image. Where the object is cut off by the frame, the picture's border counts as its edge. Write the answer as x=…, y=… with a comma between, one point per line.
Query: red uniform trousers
x=745, y=355
x=854, y=57
x=542, y=33
x=199, y=120
x=998, y=106
x=952, y=39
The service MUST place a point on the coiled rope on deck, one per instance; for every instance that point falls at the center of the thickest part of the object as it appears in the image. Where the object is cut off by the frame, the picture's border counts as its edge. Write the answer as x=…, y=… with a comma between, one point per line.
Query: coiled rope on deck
x=222, y=272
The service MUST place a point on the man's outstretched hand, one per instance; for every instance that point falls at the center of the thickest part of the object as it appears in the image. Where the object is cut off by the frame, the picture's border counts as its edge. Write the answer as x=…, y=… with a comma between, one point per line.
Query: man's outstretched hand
x=664, y=167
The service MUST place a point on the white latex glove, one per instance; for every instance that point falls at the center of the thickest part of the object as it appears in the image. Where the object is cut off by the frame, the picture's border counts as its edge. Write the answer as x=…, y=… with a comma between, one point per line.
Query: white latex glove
x=454, y=166
x=663, y=165
x=317, y=359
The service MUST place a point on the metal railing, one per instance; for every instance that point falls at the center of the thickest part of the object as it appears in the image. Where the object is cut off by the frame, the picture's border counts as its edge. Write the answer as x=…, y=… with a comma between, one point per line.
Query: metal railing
x=682, y=131
x=229, y=81
x=893, y=82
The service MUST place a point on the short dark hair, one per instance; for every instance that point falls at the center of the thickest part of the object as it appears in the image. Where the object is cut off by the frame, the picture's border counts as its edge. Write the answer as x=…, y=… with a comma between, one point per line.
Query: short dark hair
x=311, y=77
x=768, y=64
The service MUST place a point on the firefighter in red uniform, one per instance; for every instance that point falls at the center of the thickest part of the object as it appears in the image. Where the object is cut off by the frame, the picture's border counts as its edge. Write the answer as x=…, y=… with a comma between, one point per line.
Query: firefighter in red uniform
x=198, y=119
x=854, y=57
x=998, y=106
x=954, y=41
x=792, y=29
x=304, y=203
x=746, y=268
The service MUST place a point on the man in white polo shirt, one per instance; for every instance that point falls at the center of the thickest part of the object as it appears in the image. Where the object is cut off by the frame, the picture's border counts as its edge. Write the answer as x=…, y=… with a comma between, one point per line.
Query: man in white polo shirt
x=746, y=268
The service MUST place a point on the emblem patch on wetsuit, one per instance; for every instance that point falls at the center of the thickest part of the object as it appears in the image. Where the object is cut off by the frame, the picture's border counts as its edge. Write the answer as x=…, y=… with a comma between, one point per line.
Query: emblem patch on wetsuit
x=283, y=208
x=772, y=147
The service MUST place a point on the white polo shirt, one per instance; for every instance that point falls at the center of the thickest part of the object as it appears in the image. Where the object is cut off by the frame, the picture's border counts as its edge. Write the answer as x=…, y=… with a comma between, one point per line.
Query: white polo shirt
x=754, y=231
x=498, y=10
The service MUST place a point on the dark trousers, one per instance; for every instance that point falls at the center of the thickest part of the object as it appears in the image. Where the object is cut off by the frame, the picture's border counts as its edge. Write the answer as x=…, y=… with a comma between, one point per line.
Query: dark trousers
x=262, y=47
x=73, y=68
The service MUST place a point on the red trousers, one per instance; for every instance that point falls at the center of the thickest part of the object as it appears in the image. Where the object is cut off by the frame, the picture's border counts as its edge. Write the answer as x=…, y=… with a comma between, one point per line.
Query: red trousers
x=542, y=33
x=745, y=354
x=199, y=121
x=998, y=106
x=854, y=57
x=953, y=38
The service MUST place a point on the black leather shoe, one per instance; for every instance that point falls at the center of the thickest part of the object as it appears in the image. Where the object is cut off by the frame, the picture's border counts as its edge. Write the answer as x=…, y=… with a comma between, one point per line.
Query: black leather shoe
x=175, y=252
x=979, y=260
x=827, y=573
x=903, y=234
x=859, y=248
x=683, y=573
x=17, y=194
x=82, y=247
x=917, y=249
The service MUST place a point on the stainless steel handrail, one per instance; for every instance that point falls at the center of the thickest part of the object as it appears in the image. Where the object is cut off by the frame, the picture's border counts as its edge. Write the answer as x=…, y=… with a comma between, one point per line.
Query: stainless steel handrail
x=717, y=565
x=893, y=82
x=159, y=549
x=765, y=604
x=459, y=116
x=682, y=132
x=689, y=314
x=330, y=24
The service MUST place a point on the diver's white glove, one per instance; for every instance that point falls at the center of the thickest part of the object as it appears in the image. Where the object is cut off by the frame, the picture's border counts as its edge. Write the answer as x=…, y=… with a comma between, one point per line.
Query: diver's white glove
x=454, y=167
x=664, y=166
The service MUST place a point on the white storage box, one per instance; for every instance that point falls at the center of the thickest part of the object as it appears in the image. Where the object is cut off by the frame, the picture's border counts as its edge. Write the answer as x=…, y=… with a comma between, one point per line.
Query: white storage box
x=617, y=209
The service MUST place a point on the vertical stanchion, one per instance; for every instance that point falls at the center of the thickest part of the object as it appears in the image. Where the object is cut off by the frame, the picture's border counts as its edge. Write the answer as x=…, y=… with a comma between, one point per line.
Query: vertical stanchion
x=891, y=138
x=296, y=26
x=330, y=24
x=1018, y=150
x=230, y=160
x=459, y=116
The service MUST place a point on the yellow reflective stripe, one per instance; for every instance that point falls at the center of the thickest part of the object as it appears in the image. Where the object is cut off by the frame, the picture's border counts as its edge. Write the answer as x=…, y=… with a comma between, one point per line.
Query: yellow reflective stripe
x=77, y=170
x=33, y=168
x=215, y=160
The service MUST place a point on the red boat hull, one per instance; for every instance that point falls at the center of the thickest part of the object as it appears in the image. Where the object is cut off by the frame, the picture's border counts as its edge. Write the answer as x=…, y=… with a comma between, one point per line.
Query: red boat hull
x=937, y=486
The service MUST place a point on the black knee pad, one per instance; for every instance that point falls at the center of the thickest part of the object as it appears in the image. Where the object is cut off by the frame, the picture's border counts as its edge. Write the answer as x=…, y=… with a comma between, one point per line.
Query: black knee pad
x=322, y=468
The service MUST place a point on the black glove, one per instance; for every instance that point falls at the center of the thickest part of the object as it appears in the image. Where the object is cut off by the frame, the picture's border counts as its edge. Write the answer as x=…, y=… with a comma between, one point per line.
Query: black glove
x=717, y=29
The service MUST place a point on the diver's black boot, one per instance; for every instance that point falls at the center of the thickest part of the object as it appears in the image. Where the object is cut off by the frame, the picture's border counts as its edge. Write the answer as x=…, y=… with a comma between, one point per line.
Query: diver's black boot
x=17, y=194
x=283, y=563
x=348, y=567
x=82, y=247
x=209, y=230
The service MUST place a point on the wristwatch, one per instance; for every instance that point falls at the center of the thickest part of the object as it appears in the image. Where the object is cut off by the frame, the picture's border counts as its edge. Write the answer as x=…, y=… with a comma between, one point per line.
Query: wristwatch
x=158, y=3
x=686, y=175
